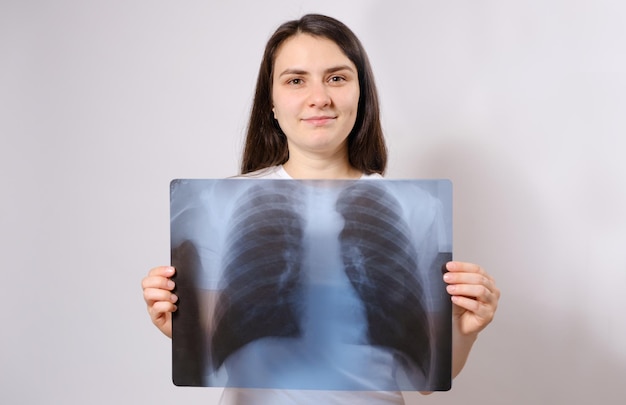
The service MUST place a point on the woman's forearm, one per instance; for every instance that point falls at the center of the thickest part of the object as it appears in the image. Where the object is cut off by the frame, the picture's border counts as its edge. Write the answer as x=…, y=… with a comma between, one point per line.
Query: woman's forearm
x=461, y=347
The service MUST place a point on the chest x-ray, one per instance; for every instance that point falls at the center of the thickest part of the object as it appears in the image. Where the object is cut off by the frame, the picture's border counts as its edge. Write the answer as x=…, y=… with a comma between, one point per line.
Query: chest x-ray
x=311, y=284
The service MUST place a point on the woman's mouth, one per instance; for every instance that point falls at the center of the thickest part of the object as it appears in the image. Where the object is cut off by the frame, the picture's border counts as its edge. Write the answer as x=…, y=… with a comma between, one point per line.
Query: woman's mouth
x=319, y=120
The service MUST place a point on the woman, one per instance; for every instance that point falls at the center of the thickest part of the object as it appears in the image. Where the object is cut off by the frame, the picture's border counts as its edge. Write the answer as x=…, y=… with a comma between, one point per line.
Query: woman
x=316, y=116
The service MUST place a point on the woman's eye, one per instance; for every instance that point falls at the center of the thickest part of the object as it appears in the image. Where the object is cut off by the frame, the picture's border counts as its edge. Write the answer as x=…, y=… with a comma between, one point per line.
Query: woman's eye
x=336, y=79
x=295, y=81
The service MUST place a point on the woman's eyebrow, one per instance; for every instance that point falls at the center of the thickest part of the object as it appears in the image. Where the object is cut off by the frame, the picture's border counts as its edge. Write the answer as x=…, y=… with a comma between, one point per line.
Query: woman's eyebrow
x=339, y=68
x=301, y=72
x=298, y=72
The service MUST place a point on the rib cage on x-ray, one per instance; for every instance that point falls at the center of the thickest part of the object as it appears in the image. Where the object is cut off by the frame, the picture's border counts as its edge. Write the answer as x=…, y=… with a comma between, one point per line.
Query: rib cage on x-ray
x=381, y=263
x=261, y=271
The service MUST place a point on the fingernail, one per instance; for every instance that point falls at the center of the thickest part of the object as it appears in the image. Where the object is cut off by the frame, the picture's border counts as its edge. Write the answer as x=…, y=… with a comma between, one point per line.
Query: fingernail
x=450, y=288
x=173, y=298
x=169, y=270
x=447, y=277
x=170, y=284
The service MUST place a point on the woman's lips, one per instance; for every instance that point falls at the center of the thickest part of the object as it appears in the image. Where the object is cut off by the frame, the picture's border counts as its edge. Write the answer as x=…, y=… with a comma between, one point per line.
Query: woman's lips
x=319, y=120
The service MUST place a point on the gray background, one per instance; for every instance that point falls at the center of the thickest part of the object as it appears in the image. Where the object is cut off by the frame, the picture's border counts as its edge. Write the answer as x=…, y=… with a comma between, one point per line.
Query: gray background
x=521, y=103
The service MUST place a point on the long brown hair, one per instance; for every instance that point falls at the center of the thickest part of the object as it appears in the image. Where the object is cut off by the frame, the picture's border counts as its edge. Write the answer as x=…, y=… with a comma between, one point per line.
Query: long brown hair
x=266, y=144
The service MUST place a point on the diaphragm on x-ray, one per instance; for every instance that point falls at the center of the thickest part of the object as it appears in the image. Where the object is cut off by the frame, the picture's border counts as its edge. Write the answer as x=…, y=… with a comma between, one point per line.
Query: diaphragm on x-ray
x=312, y=284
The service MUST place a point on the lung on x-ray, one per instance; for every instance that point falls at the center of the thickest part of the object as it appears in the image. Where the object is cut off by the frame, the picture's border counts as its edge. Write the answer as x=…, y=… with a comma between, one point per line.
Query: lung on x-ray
x=312, y=284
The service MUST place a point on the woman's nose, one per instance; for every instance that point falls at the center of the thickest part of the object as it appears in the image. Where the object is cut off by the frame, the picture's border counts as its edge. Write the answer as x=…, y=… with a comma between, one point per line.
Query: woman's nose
x=318, y=96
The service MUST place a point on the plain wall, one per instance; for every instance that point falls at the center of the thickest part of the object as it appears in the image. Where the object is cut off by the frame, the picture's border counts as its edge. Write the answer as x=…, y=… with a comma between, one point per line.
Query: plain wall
x=522, y=104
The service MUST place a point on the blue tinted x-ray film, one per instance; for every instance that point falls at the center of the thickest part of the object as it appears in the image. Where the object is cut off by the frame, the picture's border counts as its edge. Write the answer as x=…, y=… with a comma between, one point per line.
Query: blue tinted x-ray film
x=311, y=284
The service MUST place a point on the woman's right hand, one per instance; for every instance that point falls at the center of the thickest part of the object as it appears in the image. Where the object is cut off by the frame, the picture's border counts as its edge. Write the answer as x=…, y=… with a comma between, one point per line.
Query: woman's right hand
x=157, y=292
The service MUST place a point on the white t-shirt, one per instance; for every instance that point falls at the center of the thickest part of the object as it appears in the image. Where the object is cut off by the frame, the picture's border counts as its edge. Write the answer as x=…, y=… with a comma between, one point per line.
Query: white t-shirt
x=278, y=172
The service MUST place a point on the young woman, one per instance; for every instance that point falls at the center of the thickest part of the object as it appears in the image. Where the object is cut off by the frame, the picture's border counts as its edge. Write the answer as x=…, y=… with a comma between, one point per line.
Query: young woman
x=316, y=116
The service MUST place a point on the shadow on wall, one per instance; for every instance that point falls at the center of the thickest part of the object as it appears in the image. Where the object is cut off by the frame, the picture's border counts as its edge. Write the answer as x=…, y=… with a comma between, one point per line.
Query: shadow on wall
x=540, y=348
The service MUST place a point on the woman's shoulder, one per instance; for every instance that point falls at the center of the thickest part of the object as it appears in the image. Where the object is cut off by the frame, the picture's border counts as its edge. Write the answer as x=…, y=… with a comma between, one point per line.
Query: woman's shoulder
x=371, y=176
x=272, y=173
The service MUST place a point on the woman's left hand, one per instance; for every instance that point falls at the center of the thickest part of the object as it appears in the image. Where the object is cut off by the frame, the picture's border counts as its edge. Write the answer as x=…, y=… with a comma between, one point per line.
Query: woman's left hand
x=474, y=295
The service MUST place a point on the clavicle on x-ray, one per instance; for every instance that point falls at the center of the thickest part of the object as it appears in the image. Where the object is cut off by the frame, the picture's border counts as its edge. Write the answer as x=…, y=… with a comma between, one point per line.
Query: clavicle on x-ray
x=312, y=284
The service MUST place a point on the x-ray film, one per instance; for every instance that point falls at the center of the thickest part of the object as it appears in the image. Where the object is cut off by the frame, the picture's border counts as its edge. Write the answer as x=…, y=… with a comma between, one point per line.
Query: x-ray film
x=312, y=284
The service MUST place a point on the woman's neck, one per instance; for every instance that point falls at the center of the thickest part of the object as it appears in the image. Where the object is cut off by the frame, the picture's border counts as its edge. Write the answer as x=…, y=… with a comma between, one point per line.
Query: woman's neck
x=301, y=167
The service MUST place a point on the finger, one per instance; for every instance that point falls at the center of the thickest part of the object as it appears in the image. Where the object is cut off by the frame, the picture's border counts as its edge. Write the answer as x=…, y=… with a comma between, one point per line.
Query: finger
x=468, y=273
x=464, y=267
x=161, y=282
x=163, y=271
x=154, y=295
x=476, y=292
x=466, y=303
x=480, y=310
x=466, y=280
x=161, y=309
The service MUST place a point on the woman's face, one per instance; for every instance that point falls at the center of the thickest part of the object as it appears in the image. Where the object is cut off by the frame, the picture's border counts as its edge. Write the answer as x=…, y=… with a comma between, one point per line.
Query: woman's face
x=315, y=95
